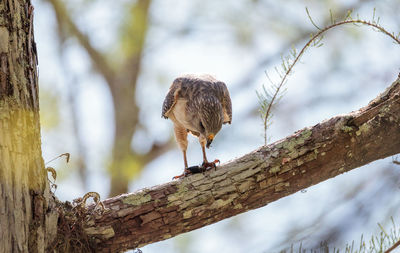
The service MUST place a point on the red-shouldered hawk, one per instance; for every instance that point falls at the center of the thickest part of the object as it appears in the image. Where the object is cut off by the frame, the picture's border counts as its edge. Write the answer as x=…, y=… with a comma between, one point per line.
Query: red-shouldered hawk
x=198, y=104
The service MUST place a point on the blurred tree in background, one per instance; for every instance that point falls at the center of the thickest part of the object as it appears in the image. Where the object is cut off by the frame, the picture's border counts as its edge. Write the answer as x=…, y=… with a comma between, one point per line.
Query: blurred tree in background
x=121, y=75
x=116, y=60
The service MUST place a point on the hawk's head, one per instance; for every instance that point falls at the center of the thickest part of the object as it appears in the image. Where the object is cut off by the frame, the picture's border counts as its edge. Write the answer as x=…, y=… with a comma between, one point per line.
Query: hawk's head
x=211, y=119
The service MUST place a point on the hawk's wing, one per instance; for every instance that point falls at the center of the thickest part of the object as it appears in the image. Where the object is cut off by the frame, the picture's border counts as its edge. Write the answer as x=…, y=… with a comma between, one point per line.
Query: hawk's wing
x=226, y=103
x=171, y=98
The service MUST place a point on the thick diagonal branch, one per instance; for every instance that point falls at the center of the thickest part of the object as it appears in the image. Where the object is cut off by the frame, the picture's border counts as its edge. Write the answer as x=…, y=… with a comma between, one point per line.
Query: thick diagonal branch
x=306, y=158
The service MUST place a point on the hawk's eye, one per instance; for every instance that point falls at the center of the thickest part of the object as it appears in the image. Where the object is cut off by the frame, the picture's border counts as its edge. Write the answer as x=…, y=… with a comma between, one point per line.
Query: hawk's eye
x=202, y=127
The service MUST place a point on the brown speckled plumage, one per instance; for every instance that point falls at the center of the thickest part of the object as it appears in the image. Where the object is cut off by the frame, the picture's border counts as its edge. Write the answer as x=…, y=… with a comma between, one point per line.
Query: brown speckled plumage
x=198, y=104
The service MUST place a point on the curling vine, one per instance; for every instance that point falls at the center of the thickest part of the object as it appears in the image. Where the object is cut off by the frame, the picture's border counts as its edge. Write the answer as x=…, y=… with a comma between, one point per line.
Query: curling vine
x=268, y=98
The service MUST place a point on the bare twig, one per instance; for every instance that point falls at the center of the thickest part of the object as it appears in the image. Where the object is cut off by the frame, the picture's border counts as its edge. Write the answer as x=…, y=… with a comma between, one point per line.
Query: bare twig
x=270, y=58
x=67, y=156
x=290, y=61
x=397, y=244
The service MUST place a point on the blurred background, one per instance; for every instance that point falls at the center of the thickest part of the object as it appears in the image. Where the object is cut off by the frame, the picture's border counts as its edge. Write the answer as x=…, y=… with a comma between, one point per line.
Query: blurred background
x=105, y=67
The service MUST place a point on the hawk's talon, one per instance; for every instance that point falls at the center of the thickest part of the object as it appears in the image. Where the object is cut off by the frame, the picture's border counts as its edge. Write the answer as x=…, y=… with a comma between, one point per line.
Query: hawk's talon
x=177, y=177
x=185, y=173
x=216, y=161
x=208, y=166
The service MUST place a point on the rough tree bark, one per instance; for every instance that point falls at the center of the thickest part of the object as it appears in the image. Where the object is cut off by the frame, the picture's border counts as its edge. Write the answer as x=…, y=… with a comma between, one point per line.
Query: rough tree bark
x=28, y=212
x=307, y=157
x=28, y=222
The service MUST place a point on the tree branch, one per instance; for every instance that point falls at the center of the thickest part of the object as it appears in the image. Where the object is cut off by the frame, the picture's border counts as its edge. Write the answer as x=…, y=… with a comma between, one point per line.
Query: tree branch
x=99, y=61
x=394, y=246
x=306, y=158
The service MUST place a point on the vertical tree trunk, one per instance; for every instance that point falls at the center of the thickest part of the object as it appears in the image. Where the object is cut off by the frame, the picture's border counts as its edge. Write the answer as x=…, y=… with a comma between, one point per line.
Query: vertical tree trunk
x=27, y=220
x=126, y=164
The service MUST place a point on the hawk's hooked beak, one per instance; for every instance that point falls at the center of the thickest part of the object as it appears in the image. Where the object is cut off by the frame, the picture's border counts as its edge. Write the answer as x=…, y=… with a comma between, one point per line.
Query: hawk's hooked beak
x=210, y=138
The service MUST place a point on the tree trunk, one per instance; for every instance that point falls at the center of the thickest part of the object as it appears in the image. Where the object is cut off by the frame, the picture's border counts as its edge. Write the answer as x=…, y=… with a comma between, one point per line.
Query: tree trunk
x=28, y=222
x=127, y=164
x=306, y=158
x=122, y=79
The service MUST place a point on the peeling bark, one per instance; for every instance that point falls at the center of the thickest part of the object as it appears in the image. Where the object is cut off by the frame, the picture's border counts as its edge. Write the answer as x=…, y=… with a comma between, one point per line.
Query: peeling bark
x=307, y=157
x=27, y=221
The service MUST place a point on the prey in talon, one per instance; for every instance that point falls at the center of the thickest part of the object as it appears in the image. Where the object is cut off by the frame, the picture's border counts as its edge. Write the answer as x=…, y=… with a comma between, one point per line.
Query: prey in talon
x=199, y=105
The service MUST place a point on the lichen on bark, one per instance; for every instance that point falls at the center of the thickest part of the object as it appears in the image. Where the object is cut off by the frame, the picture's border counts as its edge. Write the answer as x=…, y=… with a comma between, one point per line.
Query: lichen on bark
x=305, y=158
x=28, y=220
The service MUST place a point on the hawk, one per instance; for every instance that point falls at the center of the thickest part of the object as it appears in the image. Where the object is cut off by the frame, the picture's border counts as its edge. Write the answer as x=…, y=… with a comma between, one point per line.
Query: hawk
x=197, y=104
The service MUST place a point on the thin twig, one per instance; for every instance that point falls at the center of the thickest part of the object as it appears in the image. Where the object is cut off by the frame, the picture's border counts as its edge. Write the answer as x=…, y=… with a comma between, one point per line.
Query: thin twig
x=397, y=244
x=67, y=155
x=314, y=38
